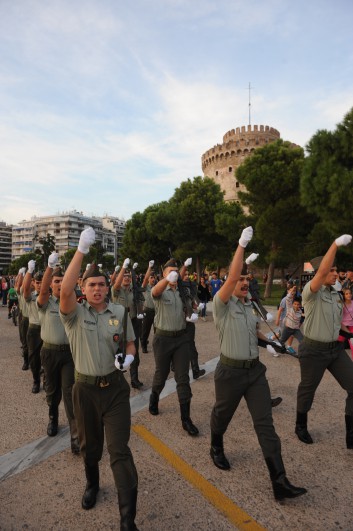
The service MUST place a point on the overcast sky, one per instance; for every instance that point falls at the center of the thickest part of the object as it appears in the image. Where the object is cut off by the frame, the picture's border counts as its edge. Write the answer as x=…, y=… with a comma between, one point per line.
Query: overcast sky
x=106, y=106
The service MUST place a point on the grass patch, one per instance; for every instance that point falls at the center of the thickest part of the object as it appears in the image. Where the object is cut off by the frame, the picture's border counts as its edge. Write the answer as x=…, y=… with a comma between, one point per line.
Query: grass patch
x=276, y=294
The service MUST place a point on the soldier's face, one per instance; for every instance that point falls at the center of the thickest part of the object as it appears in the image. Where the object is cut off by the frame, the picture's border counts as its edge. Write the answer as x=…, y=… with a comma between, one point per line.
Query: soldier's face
x=37, y=285
x=241, y=287
x=331, y=277
x=96, y=290
x=56, y=286
x=126, y=279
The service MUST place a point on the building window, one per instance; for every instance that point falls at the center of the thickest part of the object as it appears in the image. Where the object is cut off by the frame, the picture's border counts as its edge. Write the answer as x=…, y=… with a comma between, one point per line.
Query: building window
x=216, y=172
x=237, y=184
x=230, y=169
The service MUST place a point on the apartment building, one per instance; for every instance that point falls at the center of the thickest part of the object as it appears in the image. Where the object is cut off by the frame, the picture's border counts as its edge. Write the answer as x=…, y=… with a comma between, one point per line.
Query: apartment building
x=66, y=227
x=5, y=246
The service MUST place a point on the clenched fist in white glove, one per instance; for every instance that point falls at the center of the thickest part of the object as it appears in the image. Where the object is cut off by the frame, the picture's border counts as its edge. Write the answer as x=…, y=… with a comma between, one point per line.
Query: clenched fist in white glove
x=53, y=260
x=126, y=263
x=31, y=266
x=100, y=266
x=201, y=306
x=188, y=262
x=250, y=259
x=129, y=358
x=117, y=268
x=88, y=266
x=140, y=316
x=22, y=271
x=345, y=239
x=193, y=318
x=135, y=265
x=246, y=236
x=172, y=277
x=151, y=263
x=88, y=236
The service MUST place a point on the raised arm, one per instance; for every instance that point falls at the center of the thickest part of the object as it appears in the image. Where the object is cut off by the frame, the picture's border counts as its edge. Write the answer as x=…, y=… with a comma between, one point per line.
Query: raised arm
x=236, y=266
x=67, y=293
x=27, y=281
x=327, y=262
x=148, y=273
x=44, y=293
x=119, y=279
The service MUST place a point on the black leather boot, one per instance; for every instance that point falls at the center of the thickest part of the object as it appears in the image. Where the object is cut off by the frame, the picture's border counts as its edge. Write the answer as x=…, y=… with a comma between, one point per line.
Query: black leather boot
x=134, y=375
x=276, y=401
x=196, y=371
x=349, y=431
x=186, y=420
x=52, y=428
x=92, y=486
x=281, y=487
x=36, y=386
x=217, y=452
x=301, y=428
x=153, y=406
x=127, y=508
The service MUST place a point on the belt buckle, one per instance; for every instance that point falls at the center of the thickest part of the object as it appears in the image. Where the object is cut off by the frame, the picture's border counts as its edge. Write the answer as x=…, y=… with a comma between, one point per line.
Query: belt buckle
x=103, y=382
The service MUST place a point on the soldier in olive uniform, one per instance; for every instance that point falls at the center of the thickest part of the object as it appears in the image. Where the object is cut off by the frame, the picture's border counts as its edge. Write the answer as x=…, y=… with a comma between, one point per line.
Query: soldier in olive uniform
x=148, y=307
x=100, y=393
x=23, y=320
x=170, y=344
x=240, y=373
x=122, y=293
x=55, y=353
x=320, y=349
x=34, y=340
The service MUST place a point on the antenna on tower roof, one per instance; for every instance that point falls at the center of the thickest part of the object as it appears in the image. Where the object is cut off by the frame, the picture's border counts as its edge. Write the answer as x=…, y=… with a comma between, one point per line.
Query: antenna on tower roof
x=249, y=89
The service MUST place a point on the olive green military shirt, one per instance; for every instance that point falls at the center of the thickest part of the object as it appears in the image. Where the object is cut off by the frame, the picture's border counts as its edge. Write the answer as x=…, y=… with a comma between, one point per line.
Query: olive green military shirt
x=125, y=297
x=148, y=298
x=52, y=329
x=94, y=336
x=323, y=313
x=237, y=328
x=23, y=304
x=32, y=308
x=170, y=314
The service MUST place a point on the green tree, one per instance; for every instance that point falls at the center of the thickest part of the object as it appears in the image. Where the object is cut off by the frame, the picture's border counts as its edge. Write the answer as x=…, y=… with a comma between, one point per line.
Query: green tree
x=272, y=179
x=326, y=182
x=47, y=246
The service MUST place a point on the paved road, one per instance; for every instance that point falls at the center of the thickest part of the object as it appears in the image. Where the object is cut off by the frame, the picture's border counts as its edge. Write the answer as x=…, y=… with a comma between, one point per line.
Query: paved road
x=41, y=482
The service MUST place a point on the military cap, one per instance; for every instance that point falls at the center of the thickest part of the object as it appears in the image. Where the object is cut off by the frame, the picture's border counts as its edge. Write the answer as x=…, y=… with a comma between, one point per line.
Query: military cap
x=57, y=272
x=94, y=271
x=171, y=263
x=38, y=276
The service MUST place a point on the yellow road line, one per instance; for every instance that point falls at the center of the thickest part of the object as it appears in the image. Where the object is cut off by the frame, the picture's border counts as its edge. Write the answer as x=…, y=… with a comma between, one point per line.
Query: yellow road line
x=237, y=516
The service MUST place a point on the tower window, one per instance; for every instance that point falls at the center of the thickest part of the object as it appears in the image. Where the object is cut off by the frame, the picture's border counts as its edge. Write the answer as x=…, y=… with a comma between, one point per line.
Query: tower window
x=216, y=172
x=237, y=184
x=230, y=169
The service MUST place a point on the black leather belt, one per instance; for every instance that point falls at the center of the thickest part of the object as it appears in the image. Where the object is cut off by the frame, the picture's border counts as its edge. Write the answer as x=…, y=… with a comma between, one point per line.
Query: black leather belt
x=35, y=326
x=239, y=364
x=99, y=381
x=320, y=345
x=169, y=333
x=50, y=346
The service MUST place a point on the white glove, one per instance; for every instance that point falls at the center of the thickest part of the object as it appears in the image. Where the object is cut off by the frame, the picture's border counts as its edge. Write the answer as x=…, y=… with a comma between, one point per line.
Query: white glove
x=22, y=271
x=345, y=239
x=53, y=260
x=188, y=262
x=193, y=318
x=201, y=306
x=246, y=236
x=140, y=316
x=269, y=317
x=250, y=259
x=129, y=358
x=88, y=266
x=271, y=350
x=135, y=265
x=126, y=263
x=151, y=263
x=31, y=266
x=88, y=236
x=117, y=268
x=100, y=266
x=172, y=277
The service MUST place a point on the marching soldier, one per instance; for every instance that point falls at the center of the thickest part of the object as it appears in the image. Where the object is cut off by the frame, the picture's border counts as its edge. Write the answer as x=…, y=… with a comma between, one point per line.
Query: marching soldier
x=240, y=373
x=148, y=308
x=320, y=349
x=123, y=293
x=34, y=340
x=55, y=353
x=100, y=393
x=23, y=320
x=170, y=344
